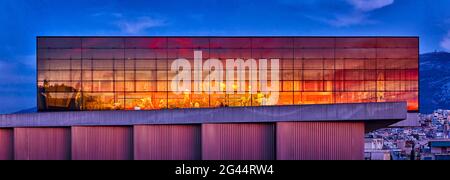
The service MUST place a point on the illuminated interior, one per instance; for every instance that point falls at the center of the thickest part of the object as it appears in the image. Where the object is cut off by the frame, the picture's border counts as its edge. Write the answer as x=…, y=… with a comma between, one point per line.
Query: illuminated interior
x=133, y=73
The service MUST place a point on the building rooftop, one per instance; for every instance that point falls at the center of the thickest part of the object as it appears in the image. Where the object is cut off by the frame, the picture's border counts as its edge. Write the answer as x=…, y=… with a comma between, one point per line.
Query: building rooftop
x=440, y=143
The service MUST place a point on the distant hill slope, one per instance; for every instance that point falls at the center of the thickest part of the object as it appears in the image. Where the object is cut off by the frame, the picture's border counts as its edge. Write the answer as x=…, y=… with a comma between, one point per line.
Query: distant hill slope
x=25, y=111
x=434, y=81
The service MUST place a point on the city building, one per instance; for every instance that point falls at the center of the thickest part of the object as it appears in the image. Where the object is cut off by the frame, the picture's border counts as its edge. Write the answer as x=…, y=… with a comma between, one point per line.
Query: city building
x=439, y=150
x=213, y=97
x=374, y=149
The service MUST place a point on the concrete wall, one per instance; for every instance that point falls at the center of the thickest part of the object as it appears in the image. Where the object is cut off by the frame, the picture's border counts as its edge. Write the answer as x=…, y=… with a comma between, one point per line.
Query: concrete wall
x=42, y=144
x=320, y=140
x=249, y=141
x=6, y=144
x=224, y=141
x=102, y=143
x=167, y=142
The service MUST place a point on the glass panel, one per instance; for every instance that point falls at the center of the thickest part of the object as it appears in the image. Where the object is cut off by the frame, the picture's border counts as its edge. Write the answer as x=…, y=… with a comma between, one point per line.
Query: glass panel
x=329, y=64
x=54, y=75
x=354, y=64
x=356, y=42
x=101, y=54
x=97, y=43
x=75, y=64
x=59, y=86
x=150, y=54
x=59, y=54
x=145, y=43
x=230, y=42
x=103, y=64
x=161, y=85
x=272, y=53
x=354, y=75
x=146, y=86
x=61, y=101
x=119, y=86
x=98, y=101
x=287, y=75
x=286, y=98
x=313, y=74
x=398, y=53
x=103, y=86
x=288, y=86
x=145, y=64
x=60, y=43
x=317, y=98
x=56, y=64
x=313, y=64
x=134, y=73
x=313, y=85
x=356, y=53
x=75, y=76
x=146, y=75
x=314, y=42
x=130, y=86
x=314, y=53
x=397, y=42
x=354, y=85
x=272, y=43
x=188, y=43
x=103, y=75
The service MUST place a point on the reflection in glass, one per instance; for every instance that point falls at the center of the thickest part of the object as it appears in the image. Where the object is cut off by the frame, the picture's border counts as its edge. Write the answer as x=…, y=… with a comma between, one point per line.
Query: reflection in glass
x=134, y=73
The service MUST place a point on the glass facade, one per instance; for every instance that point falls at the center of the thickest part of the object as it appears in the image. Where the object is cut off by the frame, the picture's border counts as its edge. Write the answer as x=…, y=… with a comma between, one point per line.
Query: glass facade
x=134, y=73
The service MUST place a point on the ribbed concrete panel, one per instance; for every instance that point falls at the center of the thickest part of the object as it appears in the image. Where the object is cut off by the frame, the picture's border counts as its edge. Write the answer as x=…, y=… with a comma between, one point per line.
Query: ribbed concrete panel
x=6, y=144
x=320, y=140
x=238, y=141
x=167, y=142
x=102, y=143
x=42, y=143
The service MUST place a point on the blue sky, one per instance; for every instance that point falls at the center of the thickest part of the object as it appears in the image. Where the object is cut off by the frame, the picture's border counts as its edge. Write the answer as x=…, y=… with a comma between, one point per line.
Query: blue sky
x=22, y=20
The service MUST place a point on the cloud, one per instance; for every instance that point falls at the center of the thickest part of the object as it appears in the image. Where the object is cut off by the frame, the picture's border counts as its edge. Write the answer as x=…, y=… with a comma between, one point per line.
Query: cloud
x=3, y=65
x=130, y=24
x=28, y=61
x=139, y=25
x=445, y=43
x=110, y=14
x=355, y=12
x=297, y=2
x=369, y=5
x=17, y=82
x=345, y=20
x=18, y=69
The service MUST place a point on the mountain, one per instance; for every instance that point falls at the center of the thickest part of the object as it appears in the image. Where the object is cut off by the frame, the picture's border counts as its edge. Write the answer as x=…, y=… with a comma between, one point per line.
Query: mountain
x=25, y=111
x=434, y=81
